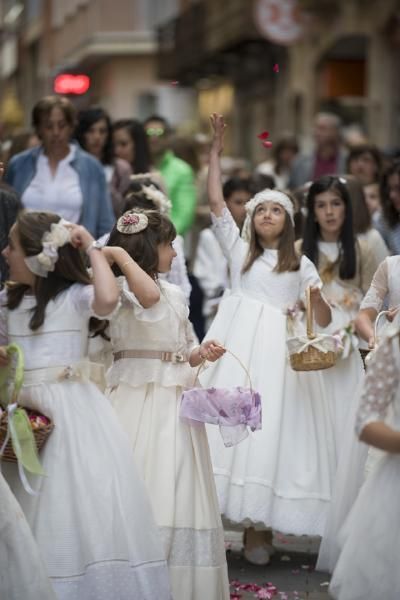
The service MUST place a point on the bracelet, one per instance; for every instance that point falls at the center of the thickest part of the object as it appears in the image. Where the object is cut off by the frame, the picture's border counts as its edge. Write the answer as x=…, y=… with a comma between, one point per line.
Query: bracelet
x=94, y=245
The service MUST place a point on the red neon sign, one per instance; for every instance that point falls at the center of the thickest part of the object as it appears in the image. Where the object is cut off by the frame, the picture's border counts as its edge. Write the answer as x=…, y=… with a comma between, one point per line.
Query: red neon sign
x=67, y=83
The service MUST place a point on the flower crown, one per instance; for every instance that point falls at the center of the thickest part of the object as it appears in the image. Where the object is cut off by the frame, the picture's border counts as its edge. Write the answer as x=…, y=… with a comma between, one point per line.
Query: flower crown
x=45, y=261
x=266, y=195
x=132, y=222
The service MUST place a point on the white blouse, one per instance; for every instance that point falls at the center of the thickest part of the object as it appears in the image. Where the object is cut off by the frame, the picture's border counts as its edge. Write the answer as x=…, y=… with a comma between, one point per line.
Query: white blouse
x=60, y=193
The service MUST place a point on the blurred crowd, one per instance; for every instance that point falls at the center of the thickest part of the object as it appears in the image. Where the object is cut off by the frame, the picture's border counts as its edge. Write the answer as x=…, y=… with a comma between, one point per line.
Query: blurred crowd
x=84, y=166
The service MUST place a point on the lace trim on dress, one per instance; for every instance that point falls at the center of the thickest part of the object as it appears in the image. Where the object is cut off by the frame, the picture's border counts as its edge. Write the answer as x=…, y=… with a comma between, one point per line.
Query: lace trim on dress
x=380, y=385
x=116, y=579
x=187, y=547
x=378, y=289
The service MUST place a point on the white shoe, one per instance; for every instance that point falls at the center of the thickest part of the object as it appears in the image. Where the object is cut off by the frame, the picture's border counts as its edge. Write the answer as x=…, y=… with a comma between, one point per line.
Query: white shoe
x=261, y=555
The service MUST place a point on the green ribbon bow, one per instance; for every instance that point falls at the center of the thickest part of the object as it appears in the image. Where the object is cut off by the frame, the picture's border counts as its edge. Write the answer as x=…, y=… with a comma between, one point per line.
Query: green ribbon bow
x=19, y=427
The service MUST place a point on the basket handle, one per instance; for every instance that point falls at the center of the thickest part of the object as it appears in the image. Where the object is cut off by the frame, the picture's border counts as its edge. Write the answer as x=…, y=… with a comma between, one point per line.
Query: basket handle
x=234, y=356
x=309, y=315
x=19, y=372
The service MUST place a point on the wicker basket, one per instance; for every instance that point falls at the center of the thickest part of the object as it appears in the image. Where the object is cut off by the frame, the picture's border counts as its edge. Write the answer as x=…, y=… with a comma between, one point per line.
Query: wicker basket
x=312, y=359
x=40, y=434
x=42, y=430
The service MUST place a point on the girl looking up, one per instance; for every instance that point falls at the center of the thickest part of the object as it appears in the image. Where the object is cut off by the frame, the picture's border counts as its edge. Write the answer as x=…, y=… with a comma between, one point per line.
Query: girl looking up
x=281, y=476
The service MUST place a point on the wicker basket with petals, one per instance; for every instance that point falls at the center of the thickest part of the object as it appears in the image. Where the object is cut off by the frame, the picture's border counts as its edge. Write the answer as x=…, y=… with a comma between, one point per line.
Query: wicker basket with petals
x=312, y=358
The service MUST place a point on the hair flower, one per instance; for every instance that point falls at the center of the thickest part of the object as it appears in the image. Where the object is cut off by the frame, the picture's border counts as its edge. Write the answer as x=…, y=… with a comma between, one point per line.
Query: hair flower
x=132, y=222
x=45, y=261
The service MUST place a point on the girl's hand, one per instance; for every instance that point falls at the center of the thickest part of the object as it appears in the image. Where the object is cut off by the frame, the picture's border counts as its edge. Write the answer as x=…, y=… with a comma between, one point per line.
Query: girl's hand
x=4, y=357
x=371, y=342
x=218, y=126
x=211, y=350
x=80, y=237
x=392, y=313
x=1, y=170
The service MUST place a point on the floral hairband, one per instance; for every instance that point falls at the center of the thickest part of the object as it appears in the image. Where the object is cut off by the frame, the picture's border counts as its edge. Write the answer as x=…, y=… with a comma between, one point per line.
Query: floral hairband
x=52, y=240
x=132, y=222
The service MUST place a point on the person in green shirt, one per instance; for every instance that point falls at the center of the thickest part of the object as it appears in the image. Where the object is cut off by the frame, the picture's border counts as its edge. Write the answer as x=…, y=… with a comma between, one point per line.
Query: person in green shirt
x=176, y=173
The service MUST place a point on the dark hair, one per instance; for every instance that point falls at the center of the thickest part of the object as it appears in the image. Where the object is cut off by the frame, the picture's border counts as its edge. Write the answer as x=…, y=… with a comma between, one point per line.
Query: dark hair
x=288, y=260
x=135, y=197
x=141, y=160
x=261, y=181
x=370, y=149
x=390, y=213
x=69, y=268
x=236, y=184
x=361, y=215
x=87, y=118
x=161, y=119
x=143, y=246
x=43, y=108
x=184, y=148
x=347, y=250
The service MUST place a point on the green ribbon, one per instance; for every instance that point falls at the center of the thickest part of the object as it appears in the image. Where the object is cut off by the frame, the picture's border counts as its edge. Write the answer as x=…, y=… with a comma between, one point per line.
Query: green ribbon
x=19, y=427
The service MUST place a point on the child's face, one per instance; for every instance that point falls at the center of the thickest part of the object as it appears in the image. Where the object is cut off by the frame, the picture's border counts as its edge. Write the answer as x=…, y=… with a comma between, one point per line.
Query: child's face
x=236, y=204
x=269, y=221
x=166, y=254
x=329, y=212
x=14, y=255
x=372, y=197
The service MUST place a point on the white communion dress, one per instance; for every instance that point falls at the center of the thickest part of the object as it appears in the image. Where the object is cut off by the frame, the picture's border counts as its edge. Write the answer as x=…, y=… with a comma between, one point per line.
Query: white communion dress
x=91, y=518
x=368, y=566
x=173, y=457
x=355, y=458
x=22, y=572
x=281, y=476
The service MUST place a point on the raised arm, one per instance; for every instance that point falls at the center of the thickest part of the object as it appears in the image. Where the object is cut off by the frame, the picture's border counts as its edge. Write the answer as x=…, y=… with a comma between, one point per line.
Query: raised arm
x=214, y=182
x=140, y=283
x=106, y=291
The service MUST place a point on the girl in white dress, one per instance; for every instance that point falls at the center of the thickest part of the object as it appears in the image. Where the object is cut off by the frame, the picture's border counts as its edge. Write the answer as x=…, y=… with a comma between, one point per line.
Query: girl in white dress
x=368, y=566
x=154, y=352
x=281, y=476
x=356, y=460
x=91, y=521
x=22, y=572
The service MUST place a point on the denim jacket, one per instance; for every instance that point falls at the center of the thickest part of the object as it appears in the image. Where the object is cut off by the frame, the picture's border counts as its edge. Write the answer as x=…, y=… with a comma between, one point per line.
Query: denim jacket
x=97, y=215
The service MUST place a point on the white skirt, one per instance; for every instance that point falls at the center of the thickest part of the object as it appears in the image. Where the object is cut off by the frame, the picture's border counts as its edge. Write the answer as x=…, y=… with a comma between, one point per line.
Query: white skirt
x=22, y=572
x=174, y=460
x=281, y=476
x=368, y=566
x=92, y=518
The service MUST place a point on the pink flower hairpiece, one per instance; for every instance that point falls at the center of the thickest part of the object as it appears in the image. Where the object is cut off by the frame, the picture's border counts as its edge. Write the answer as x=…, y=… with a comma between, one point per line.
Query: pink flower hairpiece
x=132, y=222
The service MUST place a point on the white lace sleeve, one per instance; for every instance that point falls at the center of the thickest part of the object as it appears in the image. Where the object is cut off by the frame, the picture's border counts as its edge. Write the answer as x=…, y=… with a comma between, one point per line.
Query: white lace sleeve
x=380, y=384
x=82, y=296
x=3, y=319
x=378, y=289
x=228, y=235
x=309, y=276
x=128, y=299
x=178, y=273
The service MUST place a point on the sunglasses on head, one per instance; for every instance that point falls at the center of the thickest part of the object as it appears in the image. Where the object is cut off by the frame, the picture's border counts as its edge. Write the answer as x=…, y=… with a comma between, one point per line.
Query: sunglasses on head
x=155, y=131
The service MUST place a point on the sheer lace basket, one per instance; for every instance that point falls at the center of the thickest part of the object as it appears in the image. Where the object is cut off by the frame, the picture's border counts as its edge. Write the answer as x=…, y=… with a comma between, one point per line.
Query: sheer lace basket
x=12, y=437
x=234, y=409
x=311, y=352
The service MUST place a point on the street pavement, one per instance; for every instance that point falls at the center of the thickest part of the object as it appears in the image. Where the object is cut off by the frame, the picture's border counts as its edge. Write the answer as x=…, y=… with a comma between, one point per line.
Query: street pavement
x=291, y=571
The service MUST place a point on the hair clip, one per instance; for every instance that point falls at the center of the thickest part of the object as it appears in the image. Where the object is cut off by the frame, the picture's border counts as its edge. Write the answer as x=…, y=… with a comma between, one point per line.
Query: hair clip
x=132, y=222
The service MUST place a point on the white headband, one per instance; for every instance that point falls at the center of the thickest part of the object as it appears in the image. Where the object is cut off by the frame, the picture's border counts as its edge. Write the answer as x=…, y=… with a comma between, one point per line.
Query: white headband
x=266, y=195
x=52, y=240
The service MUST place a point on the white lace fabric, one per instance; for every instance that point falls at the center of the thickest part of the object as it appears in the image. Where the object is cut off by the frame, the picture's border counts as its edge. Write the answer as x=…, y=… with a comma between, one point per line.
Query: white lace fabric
x=378, y=289
x=380, y=386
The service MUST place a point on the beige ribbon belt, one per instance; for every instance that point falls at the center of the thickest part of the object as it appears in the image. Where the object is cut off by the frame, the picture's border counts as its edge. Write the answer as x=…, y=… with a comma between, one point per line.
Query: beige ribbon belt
x=174, y=357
